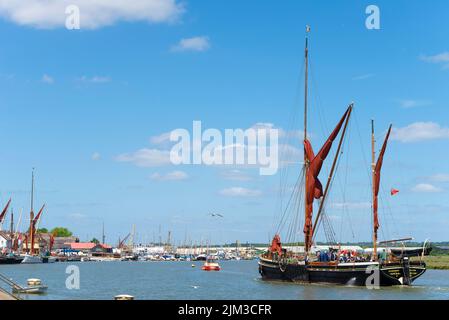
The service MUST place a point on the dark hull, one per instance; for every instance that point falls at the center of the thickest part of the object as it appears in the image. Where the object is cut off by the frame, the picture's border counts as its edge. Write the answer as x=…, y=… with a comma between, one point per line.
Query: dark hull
x=357, y=274
x=411, y=252
x=10, y=260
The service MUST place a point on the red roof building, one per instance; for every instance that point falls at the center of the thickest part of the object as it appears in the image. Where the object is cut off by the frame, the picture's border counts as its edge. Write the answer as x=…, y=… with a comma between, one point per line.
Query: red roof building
x=90, y=247
x=82, y=246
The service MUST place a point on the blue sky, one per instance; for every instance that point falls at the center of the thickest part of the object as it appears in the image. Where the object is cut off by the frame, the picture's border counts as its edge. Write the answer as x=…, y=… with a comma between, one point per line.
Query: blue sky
x=76, y=102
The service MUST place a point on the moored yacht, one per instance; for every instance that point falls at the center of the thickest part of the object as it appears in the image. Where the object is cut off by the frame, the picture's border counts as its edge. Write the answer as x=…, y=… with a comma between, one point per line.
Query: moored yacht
x=10, y=259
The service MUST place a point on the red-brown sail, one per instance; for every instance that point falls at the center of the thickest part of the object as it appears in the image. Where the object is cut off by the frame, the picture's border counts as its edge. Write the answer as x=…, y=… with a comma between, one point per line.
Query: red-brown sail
x=2, y=215
x=376, y=181
x=314, y=188
x=36, y=219
x=52, y=241
x=276, y=245
x=33, y=228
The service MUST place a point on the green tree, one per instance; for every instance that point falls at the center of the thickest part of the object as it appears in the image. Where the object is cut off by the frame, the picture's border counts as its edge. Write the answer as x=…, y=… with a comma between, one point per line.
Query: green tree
x=95, y=240
x=42, y=230
x=61, y=232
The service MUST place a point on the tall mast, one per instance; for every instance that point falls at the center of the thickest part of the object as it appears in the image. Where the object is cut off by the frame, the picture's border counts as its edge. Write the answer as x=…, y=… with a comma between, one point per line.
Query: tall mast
x=11, y=225
x=306, y=75
x=103, y=237
x=373, y=169
x=306, y=162
x=31, y=232
x=32, y=189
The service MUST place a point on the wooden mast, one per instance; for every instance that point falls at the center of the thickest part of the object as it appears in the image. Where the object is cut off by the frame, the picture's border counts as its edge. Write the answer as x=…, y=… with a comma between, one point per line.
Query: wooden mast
x=31, y=232
x=373, y=168
x=306, y=162
x=11, y=223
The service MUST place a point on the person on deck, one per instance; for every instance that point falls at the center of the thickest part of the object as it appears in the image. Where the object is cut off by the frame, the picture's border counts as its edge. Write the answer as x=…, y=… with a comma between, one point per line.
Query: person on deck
x=383, y=256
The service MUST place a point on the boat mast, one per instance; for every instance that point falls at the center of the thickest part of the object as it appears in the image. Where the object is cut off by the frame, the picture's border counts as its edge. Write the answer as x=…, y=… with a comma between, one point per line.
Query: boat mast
x=11, y=224
x=103, y=237
x=31, y=232
x=306, y=56
x=306, y=161
x=373, y=169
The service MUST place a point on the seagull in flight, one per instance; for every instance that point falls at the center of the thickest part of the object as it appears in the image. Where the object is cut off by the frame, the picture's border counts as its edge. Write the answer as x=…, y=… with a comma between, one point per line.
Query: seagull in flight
x=216, y=215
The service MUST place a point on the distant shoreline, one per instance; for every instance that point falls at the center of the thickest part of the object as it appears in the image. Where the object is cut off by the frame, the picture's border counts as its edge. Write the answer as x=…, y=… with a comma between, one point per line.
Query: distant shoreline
x=440, y=262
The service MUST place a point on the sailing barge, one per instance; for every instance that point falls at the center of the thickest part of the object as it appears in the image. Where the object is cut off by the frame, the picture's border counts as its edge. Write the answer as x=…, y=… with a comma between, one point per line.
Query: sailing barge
x=389, y=269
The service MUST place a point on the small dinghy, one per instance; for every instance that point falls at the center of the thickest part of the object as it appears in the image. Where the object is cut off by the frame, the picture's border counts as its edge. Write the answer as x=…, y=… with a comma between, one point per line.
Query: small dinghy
x=34, y=286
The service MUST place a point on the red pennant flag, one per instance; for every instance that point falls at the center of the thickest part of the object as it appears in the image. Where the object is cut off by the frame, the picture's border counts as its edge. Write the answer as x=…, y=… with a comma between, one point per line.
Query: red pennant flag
x=394, y=191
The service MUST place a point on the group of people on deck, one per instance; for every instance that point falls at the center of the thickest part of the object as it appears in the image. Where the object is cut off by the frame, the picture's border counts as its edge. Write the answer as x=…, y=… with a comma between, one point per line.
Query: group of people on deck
x=341, y=256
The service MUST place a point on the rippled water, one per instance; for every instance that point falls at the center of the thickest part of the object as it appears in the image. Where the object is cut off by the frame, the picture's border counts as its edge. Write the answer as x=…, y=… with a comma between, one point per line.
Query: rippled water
x=178, y=280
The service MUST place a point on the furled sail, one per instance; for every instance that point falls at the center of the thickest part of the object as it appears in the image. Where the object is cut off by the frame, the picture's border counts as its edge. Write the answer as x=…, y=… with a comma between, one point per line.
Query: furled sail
x=314, y=188
x=276, y=245
x=377, y=170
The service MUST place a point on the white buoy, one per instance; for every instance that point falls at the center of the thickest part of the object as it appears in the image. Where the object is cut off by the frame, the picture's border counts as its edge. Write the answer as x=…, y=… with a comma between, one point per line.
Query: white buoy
x=34, y=282
x=123, y=297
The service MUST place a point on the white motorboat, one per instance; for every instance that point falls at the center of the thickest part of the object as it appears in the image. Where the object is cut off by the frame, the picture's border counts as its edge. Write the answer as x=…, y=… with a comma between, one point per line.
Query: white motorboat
x=31, y=259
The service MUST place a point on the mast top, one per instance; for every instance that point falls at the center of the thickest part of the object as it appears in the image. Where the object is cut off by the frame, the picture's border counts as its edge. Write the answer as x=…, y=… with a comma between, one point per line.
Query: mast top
x=307, y=28
x=32, y=189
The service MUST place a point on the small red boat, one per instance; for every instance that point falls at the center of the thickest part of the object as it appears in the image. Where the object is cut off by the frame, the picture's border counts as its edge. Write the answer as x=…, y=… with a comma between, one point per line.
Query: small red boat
x=210, y=265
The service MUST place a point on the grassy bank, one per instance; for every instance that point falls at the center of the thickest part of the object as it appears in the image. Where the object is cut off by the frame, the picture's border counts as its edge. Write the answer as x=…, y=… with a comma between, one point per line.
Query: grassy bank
x=439, y=262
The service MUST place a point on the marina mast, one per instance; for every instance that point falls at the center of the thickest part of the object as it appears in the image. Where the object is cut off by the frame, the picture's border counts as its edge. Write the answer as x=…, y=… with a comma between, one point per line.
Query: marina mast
x=11, y=223
x=103, y=237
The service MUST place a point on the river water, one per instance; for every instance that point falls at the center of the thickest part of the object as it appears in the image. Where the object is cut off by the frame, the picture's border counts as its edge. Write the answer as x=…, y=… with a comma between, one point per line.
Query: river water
x=178, y=280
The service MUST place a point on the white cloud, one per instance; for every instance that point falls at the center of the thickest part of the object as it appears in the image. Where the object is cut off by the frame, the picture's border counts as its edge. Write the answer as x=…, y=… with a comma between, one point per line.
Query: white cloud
x=290, y=155
x=171, y=176
x=77, y=216
x=267, y=126
x=47, y=79
x=440, y=177
x=236, y=175
x=96, y=156
x=441, y=58
x=160, y=156
x=420, y=131
x=192, y=44
x=363, y=76
x=146, y=157
x=426, y=188
x=162, y=138
x=95, y=79
x=49, y=14
x=408, y=103
x=240, y=192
